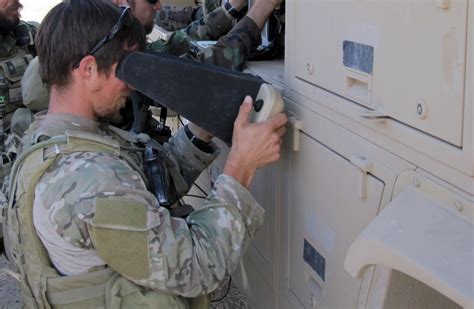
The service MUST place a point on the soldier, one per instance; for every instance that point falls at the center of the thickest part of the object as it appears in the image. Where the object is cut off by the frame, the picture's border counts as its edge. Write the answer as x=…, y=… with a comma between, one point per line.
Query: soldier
x=16, y=51
x=171, y=18
x=85, y=230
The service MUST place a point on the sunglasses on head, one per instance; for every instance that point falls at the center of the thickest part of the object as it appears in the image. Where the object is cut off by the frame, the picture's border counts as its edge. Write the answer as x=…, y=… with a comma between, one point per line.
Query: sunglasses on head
x=125, y=21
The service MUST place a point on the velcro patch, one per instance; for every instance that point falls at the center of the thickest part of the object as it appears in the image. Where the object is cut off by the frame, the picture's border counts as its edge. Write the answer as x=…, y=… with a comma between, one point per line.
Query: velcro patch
x=119, y=232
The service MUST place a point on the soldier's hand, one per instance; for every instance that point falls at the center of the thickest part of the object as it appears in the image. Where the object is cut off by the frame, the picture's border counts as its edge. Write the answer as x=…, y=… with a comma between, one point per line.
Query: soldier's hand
x=261, y=10
x=273, y=3
x=253, y=144
x=200, y=133
x=238, y=4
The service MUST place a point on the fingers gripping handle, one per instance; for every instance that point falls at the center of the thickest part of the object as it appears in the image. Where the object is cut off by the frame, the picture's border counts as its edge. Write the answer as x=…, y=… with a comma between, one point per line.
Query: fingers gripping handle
x=268, y=103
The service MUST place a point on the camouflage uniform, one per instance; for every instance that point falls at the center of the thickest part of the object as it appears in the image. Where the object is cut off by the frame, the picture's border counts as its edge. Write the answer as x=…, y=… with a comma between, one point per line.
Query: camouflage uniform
x=232, y=48
x=172, y=18
x=16, y=51
x=80, y=202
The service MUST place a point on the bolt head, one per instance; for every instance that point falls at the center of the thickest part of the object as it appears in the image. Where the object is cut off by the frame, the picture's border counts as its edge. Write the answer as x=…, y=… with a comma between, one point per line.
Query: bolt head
x=421, y=109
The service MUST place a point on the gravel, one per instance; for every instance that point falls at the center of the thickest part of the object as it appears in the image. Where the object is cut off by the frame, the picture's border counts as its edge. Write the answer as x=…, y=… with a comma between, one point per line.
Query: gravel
x=9, y=291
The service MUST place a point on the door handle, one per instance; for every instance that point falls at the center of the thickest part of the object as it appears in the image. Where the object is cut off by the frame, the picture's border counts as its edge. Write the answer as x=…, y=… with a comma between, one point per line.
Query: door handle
x=375, y=115
x=365, y=166
x=296, y=126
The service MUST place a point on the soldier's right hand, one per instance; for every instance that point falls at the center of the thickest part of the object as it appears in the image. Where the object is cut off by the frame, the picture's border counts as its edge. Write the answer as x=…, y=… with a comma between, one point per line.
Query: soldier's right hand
x=253, y=144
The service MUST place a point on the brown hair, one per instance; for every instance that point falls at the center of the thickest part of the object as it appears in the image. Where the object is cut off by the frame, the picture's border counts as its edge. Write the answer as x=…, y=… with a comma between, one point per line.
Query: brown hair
x=72, y=28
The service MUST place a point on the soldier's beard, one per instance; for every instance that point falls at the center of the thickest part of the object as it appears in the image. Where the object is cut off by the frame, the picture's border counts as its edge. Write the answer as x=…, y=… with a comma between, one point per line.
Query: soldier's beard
x=115, y=118
x=7, y=24
x=149, y=28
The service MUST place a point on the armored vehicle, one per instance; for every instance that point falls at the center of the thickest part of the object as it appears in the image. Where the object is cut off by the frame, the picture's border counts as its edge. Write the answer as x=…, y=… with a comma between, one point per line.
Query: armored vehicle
x=372, y=204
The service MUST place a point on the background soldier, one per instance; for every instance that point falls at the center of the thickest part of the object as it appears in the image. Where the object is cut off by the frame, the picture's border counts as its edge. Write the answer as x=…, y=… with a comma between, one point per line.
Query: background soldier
x=81, y=188
x=16, y=51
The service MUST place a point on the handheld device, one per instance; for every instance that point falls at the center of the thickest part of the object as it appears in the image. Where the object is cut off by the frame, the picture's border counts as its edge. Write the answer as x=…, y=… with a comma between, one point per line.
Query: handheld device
x=206, y=95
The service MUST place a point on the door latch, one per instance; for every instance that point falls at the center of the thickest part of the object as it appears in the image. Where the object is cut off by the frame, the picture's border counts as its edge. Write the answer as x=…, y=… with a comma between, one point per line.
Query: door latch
x=365, y=166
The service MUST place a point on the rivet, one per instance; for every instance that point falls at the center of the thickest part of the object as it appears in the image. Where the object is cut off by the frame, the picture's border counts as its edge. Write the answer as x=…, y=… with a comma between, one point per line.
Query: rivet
x=458, y=205
x=421, y=109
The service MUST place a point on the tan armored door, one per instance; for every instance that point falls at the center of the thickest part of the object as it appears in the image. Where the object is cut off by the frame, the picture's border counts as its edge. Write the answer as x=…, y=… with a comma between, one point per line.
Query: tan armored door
x=326, y=213
x=261, y=255
x=404, y=58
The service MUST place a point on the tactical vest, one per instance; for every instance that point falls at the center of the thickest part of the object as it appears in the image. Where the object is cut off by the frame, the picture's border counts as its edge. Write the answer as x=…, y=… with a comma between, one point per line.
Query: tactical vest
x=11, y=72
x=15, y=55
x=41, y=285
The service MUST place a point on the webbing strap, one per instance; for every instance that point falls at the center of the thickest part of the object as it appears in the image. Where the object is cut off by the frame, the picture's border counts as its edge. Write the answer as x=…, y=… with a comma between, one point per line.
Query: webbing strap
x=76, y=295
x=29, y=197
x=28, y=226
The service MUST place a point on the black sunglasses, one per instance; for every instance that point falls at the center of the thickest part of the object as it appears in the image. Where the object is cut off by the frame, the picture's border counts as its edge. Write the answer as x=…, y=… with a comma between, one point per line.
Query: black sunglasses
x=125, y=20
x=152, y=1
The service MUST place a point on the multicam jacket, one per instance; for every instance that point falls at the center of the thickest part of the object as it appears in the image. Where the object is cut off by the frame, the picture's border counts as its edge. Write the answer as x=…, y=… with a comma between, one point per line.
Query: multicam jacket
x=93, y=209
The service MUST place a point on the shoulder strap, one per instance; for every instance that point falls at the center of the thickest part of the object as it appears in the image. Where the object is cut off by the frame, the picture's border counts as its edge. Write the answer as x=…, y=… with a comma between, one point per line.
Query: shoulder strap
x=25, y=32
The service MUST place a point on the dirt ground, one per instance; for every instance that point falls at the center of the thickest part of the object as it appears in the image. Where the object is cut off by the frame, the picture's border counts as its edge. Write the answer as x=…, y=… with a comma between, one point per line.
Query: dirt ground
x=10, y=294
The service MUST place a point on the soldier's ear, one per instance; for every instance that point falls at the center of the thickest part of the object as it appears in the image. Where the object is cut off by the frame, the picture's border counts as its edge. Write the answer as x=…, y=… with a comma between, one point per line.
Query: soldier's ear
x=87, y=67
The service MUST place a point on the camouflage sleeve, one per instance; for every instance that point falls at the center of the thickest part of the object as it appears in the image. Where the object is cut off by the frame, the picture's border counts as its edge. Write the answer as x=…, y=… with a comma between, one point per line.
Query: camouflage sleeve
x=209, y=6
x=210, y=27
x=191, y=258
x=173, y=18
x=188, y=159
x=233, y=49
x=182, y=257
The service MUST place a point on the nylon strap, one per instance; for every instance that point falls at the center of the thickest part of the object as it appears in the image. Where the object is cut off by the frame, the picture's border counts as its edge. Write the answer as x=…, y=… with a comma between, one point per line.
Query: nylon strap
x=76, y=295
